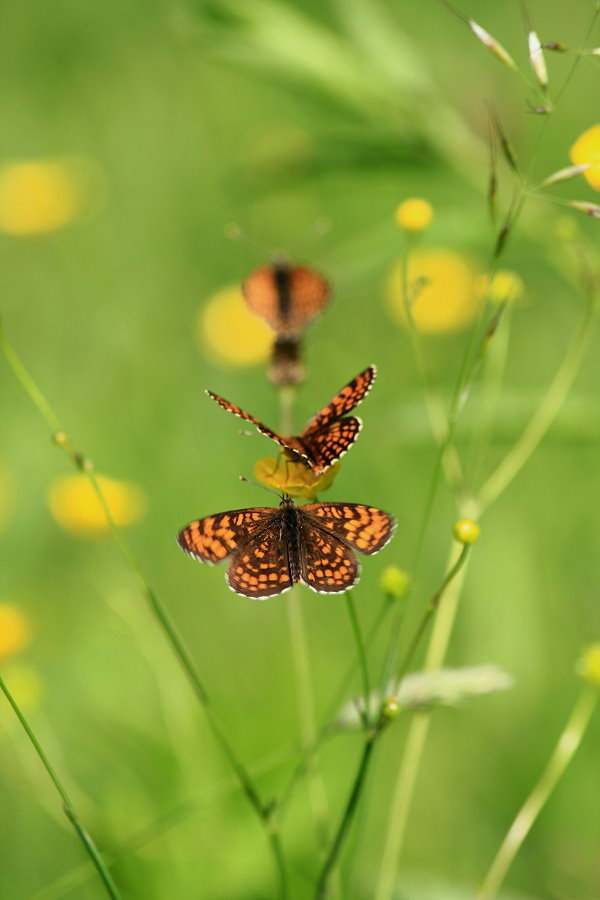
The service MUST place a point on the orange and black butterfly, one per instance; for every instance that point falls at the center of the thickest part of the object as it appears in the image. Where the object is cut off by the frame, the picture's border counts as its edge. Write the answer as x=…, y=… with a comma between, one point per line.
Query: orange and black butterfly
x=287, y=297
x=328, y=435
x=271, y=548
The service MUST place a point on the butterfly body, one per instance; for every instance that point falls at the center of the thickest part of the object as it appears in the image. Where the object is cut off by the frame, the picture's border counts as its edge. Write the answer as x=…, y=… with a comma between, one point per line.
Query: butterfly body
x=328, y=435
x=270, y=549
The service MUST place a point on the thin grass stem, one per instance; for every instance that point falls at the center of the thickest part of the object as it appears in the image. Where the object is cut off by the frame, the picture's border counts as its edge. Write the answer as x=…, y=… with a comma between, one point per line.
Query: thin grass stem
x=563, y=753
x=418, y=729
x=362, y=656
x=68, y=807
x=545, y=414
x=62, y=440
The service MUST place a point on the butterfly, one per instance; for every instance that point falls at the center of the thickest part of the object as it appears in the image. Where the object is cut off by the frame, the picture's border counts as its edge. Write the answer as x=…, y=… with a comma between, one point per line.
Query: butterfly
x=287, y=297
x=328, y=435
x=271, y=548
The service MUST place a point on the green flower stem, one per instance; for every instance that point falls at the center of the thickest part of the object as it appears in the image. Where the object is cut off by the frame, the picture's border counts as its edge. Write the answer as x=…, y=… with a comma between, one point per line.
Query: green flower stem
x=362, y=656
x=62, y=440
x=417, y=732
x=454, y=570
x=436, y=412
x=327, y=729
x=351, y=806
x=304, y=690
x=306, y=711
x=68, y=808
x=562, y=755
x=430, y=610
x=540, y=422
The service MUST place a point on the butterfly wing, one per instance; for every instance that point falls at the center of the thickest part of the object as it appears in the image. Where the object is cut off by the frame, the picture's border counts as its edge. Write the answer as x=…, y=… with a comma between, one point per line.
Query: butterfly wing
x=260, y=568
x=344, y=402
x=327, y=565
x=365, y=528
x=292, y=444
x=214, y=538
x=330, y=443
x=286, y=297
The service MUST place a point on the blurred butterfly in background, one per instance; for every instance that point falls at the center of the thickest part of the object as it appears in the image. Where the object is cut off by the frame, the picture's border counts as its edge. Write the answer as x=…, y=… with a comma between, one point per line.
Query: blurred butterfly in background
x=271, y=548
x=286, y=297
x=328, y=435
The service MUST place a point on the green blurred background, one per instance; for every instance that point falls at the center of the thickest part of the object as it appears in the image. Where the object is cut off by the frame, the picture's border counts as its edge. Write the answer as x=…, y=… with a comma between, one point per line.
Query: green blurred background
x=273, y=115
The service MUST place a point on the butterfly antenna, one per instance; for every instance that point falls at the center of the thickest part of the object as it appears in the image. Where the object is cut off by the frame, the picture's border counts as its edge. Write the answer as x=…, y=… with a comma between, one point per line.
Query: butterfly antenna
x=234, y=232
x=261, y=486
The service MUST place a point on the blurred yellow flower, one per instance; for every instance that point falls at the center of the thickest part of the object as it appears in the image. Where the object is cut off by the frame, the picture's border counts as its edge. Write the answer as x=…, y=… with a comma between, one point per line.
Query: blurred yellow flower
x=294, y=478
x=27, y=689
x=444, y=290
x=230, y=332
x=37, y=197
x=506, y=286
x=15, y=630
x=586, y=149
x=589, y=665
x=77, y=509
x=394, y=582
x=414, y=214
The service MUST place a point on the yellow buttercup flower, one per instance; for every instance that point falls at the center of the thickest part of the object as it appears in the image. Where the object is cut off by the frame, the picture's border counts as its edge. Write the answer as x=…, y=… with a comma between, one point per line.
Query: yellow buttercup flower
x=15, y=630
x=294, y=478
x=506, y=286
x=586, y=149
x=41, y=196
x=76, y=507
x=230, y=332
x=414, y=214
x=589, y=665
x=443, y=288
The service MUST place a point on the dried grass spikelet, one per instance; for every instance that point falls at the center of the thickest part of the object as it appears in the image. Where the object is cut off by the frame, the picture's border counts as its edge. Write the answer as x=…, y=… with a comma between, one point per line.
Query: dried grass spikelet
x=493, y=45
x=565, y=174
x=536, y=57
x=293, y=477
x=589, y=209
x=429, y=689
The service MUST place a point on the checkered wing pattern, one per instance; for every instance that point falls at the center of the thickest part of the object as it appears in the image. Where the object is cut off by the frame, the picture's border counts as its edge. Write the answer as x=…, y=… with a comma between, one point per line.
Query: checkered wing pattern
x=291, y=443
x=260, y=568
x=328, y=445
x=344, y=402
x=365, y=528
x=214, y=538
x=328, y=566
x=286, y=297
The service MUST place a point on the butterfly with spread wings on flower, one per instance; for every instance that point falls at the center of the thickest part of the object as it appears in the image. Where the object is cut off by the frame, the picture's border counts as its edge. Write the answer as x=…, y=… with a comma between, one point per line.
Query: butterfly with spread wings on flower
x=271, y=548
x=328, y=435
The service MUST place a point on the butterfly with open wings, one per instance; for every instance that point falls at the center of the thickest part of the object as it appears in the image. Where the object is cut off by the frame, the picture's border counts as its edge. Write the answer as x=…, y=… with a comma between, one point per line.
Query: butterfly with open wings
x=271, y=548
x=328, y=435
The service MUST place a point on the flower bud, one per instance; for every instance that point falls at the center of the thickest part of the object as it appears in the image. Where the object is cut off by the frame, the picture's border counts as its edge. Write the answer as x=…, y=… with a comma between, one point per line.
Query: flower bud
x=466, y=531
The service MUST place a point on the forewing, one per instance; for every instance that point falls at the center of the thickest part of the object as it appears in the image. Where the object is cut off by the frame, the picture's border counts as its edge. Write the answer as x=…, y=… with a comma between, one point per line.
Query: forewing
x=365, y=528
x=214, y=538
x=344, y=401
x=291, y=443
x=329, y=444
x=260, y=568
x=328, y=566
